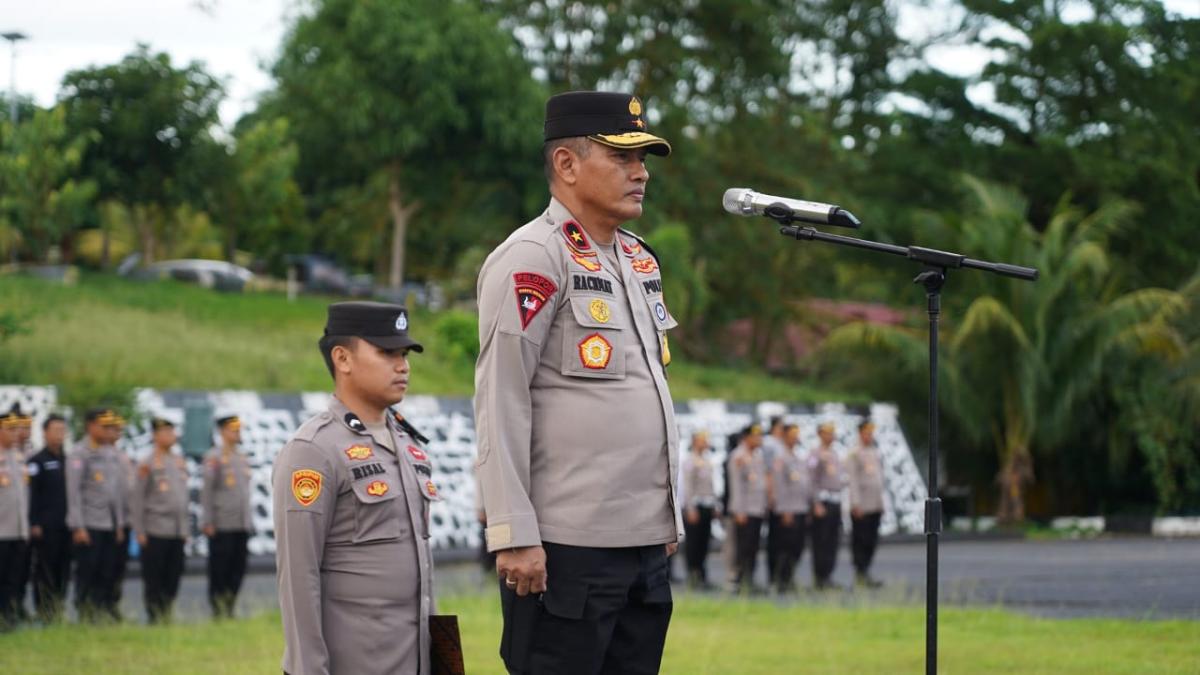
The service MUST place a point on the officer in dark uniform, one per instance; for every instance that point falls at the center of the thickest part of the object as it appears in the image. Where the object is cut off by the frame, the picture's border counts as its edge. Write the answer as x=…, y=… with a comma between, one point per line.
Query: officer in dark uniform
x=352, y=492
x=227, y=519
x=48, y=521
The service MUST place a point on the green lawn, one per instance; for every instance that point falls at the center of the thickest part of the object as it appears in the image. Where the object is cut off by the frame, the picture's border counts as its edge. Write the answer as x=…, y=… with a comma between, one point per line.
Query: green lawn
x=105, y=335
x=707, y=636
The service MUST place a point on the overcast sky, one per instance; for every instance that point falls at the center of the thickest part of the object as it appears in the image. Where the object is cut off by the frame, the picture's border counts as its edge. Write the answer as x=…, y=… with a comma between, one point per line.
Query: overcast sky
x=234, y=38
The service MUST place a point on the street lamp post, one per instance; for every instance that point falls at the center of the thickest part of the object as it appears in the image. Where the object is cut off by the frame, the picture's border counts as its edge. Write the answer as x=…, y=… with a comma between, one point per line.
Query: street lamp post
x=13, y=37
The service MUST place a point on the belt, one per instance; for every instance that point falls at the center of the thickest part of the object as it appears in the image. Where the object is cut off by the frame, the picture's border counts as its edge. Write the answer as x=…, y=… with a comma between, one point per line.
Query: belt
x=828, y=496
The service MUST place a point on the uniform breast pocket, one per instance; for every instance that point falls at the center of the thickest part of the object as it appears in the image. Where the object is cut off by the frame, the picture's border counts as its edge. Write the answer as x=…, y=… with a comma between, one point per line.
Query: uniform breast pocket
x=594, y=339
x=376, y=516
x=658, y=309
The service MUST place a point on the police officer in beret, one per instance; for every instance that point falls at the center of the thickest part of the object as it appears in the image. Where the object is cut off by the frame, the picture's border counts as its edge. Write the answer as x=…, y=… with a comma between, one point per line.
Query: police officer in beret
x=226, y=520
x=96, y=514
x=14, y=522
x=574, y=417
x=352, y=492
x=49, y=536
x=160, y=520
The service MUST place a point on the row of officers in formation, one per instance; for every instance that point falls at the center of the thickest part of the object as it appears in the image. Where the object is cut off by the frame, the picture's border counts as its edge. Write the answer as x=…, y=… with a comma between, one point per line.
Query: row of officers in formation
x=84, y=507
x=794, y=494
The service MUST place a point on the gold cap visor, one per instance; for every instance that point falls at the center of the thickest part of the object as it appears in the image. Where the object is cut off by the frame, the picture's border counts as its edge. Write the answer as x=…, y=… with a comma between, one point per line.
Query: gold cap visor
x=635, y=139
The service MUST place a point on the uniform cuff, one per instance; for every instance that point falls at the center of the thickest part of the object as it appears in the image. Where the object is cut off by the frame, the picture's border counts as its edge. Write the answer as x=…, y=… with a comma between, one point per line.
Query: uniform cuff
x=513, y=532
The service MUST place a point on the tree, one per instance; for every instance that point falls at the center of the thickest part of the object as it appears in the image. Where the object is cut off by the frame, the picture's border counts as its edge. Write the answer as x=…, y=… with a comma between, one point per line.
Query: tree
x=149, y=117
x=1025, y=363
x=41, y=195
x=422, y=92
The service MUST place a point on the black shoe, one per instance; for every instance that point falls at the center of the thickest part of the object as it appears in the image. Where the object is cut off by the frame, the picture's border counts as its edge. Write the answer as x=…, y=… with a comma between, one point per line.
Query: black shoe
x=826, y=585
x=868, y=581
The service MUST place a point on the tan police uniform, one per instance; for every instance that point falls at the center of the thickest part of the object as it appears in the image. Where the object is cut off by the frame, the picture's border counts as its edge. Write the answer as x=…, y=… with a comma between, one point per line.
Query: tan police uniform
x=866, y=495
x=96, y=492
x=791, y=491
x=14, y=533
x=160, y=512
x=225, y=502
x=351, y=510
x=828, y=480
x=575, y=423
x=700, y=495
x=748, y=497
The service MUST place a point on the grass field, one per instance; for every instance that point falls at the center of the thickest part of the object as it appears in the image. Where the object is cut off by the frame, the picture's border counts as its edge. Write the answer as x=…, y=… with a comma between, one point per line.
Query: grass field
x=105, y=335
x=707, y=636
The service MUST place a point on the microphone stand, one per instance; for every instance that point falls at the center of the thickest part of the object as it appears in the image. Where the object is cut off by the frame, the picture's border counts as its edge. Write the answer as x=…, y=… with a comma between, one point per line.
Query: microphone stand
x=932, y=278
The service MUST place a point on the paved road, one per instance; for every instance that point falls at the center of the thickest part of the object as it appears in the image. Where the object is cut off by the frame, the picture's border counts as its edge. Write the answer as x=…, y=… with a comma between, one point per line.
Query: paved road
x=1116, y=577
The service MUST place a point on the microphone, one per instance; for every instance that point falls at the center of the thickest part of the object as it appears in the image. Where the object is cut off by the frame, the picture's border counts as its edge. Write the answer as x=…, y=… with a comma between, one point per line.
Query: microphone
x=747, y=202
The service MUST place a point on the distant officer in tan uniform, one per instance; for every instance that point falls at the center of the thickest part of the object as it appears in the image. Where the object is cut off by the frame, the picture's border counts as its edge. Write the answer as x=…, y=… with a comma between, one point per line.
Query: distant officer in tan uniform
x=96, y=491
x=160, y=520
x=128, y=478
x=227, y=520
x=791, y=499
x=14, y=522
x=352, y=492
x=576, y=427
x=866, y=503
x=828, y=480
x=748, y=492
x=699, y=499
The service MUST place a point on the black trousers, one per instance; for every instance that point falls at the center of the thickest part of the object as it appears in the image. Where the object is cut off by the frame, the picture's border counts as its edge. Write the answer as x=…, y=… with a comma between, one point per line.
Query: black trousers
x=162, y=567
x=696, y=540
x=118, y=584
x=605, y=611
x=790, y=548
x=226, y=569
x=749, y=538
x=826, y=533
x=95, y=574
x=51, y=572
x=773, y=542
x=12, y=588
x=864, y=538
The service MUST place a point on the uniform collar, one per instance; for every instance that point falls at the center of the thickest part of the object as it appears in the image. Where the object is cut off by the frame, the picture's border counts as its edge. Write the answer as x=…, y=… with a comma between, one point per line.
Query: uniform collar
x=351, y=421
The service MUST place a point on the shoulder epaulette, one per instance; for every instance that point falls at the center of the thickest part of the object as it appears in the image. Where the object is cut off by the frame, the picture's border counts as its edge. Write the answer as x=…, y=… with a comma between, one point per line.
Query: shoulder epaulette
x=409, y=428
x=309, y=429
x=643, y=243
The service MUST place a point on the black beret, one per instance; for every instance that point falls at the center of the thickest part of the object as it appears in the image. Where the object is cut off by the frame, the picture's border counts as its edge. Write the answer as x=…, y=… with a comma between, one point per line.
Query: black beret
x=609, y=118
x=383, y=325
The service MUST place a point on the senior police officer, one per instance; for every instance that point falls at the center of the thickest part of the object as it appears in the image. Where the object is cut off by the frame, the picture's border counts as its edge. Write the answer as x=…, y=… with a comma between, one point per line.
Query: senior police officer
x=160, y=520
x=49, y=536
x=828, y=480
x=575, y=422
x=352, y=491
x=227, y=519
x=865, y=468
x=96, y=514
x=791, y=497
x=14, y=521
x=748, y=497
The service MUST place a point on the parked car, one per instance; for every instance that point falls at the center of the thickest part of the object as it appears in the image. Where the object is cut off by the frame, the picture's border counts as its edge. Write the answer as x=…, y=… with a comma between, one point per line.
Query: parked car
x=215, y=274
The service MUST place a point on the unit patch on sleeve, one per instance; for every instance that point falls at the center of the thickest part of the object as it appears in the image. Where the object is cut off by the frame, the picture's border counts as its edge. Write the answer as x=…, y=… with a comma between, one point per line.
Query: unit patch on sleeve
x=533, y=292
x=306, y=486
x=595, y=352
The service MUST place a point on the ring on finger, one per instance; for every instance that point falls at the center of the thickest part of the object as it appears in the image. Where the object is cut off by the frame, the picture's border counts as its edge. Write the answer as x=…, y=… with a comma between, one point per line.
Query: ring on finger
x=510, y=582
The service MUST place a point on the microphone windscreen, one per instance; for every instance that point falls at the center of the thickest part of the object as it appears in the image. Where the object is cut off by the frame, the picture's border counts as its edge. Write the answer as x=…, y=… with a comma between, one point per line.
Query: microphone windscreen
x=732, y=201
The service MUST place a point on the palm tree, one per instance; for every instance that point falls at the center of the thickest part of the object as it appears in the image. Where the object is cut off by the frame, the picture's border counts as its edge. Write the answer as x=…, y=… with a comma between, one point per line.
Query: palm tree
x=1021, y=360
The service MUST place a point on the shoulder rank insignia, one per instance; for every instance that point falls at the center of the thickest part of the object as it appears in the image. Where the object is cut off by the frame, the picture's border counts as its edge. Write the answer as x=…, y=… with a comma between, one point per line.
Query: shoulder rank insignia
x=575, y=236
